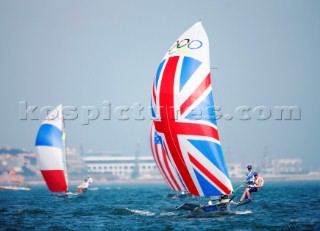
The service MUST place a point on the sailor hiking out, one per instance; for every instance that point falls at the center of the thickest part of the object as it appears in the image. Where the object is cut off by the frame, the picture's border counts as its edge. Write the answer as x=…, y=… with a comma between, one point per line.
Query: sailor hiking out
x=257, y=184
x=84, y=186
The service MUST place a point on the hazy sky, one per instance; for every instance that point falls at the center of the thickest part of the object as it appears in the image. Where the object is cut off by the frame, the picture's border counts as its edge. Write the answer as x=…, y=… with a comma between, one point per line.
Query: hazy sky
x=82, y=53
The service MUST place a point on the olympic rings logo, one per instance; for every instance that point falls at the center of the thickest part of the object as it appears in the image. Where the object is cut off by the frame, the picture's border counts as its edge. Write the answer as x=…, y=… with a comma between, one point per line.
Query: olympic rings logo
x=184, y=46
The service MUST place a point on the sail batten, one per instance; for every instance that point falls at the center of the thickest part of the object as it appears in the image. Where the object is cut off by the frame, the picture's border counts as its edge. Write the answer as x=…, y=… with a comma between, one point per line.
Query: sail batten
x=184, y=118
x=50, y=151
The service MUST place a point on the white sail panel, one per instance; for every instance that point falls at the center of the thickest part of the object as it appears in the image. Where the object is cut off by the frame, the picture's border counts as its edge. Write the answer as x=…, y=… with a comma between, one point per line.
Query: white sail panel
x=55, y=118
x=51, y=158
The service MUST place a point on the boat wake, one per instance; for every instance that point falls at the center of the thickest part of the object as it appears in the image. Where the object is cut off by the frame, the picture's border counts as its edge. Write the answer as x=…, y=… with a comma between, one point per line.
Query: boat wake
x=142, y=212
x=243, y=212
x=127, y=211
x=169, y=214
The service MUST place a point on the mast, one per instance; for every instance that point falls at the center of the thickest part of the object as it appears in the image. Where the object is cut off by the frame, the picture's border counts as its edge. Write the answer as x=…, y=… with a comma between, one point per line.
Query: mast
x=64, y=153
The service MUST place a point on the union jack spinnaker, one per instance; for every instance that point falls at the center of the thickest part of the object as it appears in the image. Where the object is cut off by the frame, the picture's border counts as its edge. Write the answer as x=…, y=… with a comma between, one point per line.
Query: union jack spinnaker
x=184, y=129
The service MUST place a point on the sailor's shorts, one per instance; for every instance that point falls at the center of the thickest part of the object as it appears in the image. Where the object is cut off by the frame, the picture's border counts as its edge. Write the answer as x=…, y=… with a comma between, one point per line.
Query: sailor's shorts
x=253, y=189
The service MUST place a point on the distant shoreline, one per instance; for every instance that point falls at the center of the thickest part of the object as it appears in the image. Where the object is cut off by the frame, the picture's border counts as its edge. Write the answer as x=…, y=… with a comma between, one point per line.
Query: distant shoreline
x=100, y=180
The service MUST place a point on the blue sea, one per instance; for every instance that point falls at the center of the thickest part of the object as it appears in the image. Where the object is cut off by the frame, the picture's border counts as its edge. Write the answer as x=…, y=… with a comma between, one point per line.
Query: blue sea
x=278, y=206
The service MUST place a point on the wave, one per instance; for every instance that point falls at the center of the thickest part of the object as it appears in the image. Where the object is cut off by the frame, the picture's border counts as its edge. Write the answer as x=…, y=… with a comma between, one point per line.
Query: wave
x=169, y=214
x=243, y=212
x=113, y=188
x=142, y=212
x=127, y=211
x=32, y=211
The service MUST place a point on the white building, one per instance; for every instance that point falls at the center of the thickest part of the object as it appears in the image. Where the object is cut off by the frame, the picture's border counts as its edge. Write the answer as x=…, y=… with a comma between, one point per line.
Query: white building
x=124, y=167
x=75, y=163
x=287, y=166
x=236, y=170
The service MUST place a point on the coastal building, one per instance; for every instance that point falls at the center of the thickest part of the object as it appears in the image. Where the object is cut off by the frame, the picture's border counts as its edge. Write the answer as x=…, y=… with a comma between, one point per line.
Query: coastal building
x=236, y=170
x=266, y=166
x=75, y=163
x=21, y=162
x=123, y=167
x=287, y=166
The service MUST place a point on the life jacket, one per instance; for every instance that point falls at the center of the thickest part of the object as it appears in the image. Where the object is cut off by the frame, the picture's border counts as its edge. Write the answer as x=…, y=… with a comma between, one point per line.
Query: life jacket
x=256, y=181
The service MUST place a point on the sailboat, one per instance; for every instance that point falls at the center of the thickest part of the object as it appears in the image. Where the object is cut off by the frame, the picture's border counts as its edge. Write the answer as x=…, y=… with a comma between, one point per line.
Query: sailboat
x=166, y=167
x=16, y=183
x=15, y=188
x=183, y=116
x=51, y=156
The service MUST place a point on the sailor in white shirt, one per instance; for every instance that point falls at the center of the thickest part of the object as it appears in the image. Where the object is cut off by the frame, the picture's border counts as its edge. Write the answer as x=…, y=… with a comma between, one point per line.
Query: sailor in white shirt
x=84, y=186
x=257, y=184
x=90, y=180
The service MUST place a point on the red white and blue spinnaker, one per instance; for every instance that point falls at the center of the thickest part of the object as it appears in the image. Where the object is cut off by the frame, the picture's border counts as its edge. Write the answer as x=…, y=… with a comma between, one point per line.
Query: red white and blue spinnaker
x=184, y=129
x=50, y=151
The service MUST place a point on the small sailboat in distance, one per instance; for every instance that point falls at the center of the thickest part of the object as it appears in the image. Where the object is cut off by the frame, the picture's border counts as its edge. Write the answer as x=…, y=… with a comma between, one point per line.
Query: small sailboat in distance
x=183, y=115
x=166, y=167
x=17, y=186
x=17, y=183
x=51, y=156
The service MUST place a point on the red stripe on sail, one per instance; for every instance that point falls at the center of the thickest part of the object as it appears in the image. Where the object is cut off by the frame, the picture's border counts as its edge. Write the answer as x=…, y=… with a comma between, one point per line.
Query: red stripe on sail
x=55, y=180
x=166, y=125
x=162, y=168
x=209, y=174
x=154, y=93
x=172, y=128
x=155, y=153
x=196, y=94
x=165, y=157
x=167, y=115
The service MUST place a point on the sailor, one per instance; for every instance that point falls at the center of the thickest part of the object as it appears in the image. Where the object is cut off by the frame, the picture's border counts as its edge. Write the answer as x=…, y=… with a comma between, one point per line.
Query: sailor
x=257, y=184
x=249, y=180
x=218, y=199
x=84, y=186
x=90, y=180
x=224, y=199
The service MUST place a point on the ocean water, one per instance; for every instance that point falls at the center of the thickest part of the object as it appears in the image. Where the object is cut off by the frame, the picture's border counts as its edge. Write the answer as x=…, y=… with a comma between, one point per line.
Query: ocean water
x=278, y=206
